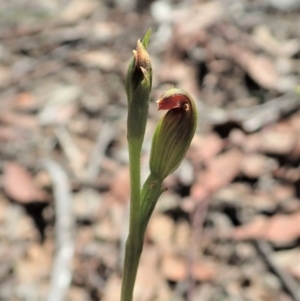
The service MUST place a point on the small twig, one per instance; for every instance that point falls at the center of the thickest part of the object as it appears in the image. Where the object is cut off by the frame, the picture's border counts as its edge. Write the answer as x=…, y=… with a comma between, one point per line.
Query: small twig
x=71, y=151
x=264, y=248
x=98, y=153
x=64, y=232
x=197, y=229
x=287, y=281
x=93, y=169
x=255, y=117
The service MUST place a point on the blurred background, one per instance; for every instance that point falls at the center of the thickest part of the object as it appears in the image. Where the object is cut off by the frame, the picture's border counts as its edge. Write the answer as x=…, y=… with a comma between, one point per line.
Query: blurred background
x=228, y=228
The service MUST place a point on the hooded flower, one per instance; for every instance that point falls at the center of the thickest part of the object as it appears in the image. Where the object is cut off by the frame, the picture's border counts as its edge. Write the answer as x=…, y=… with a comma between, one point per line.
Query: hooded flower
x=173, y=133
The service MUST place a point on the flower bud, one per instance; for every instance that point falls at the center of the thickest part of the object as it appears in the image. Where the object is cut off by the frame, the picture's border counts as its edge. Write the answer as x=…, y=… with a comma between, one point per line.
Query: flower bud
x=173, y=133
x=138, y=87
x=139, y=68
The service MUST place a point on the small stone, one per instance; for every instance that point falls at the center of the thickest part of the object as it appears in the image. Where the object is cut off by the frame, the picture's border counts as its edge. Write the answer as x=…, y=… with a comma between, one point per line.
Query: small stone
x=161, y=11
x=278, y=142
x=254, y=165
x=86, y=204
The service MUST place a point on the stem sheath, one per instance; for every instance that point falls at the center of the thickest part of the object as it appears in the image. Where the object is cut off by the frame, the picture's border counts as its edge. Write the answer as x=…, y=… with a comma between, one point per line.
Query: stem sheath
x=152, y=189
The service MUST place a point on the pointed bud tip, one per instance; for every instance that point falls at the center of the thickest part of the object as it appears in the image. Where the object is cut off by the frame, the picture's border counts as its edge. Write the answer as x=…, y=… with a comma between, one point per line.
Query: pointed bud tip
x=139, y=72
x=142, y=58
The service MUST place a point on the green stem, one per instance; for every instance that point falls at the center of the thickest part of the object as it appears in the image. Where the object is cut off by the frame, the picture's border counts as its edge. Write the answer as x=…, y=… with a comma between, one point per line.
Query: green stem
x=152, y=189
x=135, y=148
x=134, y=243
x=140, y=213
x=131, y=262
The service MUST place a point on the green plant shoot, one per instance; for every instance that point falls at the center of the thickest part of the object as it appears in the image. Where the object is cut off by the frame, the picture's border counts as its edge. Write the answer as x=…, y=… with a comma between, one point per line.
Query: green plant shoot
x=171, y=140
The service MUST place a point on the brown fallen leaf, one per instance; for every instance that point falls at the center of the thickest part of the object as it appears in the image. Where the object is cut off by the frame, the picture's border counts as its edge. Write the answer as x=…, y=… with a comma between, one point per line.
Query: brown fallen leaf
x=278, y=229
x=104, y=59
x=7, y=133
x=264, y=38
x=5, y=76
x=259, y=67
x=188, y=29
x=19, y=120
x=295, y=270
x=237, y=138
x=36, y=264
x=77, y=294
x=283, y=193
x=295, y=153
x=278, y=142
x=203, y=271
x=78, y=9
x=288, y=260
x=120, y=186
x=222, y=170
x=25, y=101
x=205, y=148
x=112, y=289
x=175, y=268
x=148, y=276
x=219, y=173
x=198, y=192
x=254, y=165
x=252, y=143
x=161, y=231
x=175, y=70
x=19, y=185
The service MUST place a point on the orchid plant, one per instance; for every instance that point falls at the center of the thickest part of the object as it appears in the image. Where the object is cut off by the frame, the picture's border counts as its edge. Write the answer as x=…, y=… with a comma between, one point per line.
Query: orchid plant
x=170, y=143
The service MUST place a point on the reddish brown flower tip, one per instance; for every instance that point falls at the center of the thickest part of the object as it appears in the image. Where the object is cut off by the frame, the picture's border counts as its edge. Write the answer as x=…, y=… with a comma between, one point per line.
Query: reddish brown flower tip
x=142, y=59
x=139, y=71
x=174, y=98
